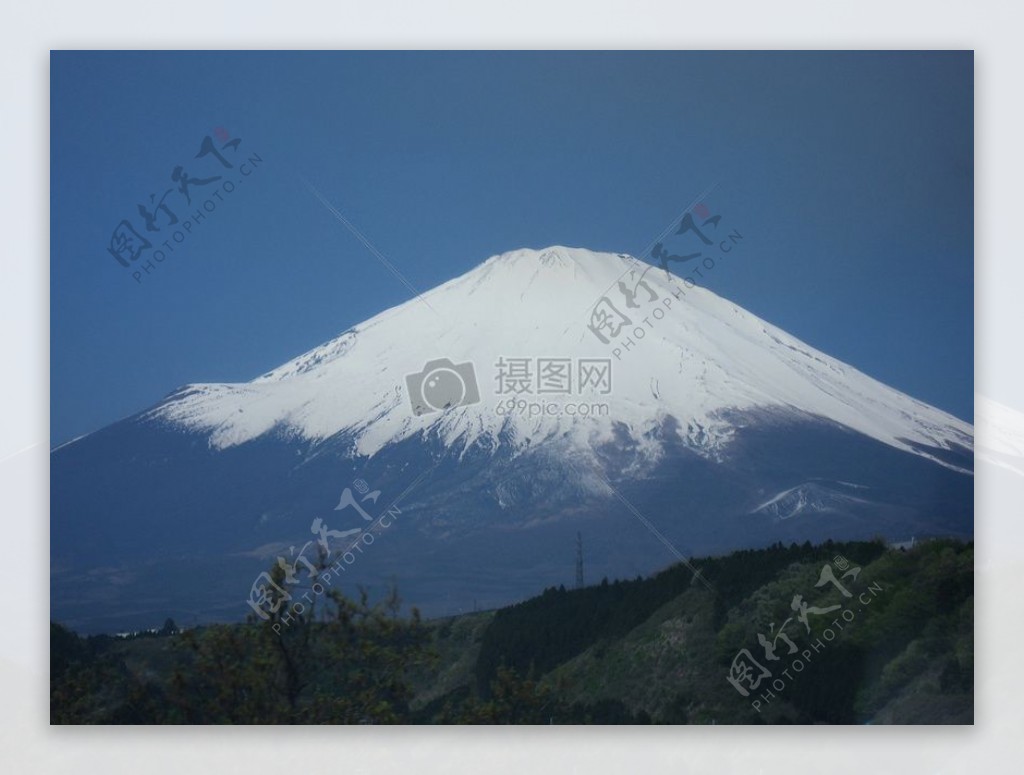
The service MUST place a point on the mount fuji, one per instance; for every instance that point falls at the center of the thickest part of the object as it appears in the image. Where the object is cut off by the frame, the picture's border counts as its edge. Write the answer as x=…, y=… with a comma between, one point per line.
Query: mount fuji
x=544, y=393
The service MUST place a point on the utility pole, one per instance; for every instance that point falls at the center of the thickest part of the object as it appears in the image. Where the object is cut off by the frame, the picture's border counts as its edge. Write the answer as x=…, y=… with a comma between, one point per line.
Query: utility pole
x=579, y=560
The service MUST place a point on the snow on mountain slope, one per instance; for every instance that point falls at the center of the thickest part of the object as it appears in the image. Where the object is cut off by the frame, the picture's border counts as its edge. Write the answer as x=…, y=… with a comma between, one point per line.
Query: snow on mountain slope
x=702, y=359
x=810, y=498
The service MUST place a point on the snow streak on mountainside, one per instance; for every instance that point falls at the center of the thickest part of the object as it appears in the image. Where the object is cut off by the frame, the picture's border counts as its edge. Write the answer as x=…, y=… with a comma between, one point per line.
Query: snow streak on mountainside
x=702, y=360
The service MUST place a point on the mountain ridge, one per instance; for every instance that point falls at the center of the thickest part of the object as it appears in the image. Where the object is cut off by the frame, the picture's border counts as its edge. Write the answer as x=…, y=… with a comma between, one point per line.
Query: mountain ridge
x=712, y=415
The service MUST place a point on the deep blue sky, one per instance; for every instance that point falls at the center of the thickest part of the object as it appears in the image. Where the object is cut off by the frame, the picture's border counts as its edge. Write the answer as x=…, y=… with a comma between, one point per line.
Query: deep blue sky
x=850, y=176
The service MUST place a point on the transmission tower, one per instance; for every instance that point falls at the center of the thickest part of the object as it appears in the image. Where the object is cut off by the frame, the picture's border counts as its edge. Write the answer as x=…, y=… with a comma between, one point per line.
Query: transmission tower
x=579, y=560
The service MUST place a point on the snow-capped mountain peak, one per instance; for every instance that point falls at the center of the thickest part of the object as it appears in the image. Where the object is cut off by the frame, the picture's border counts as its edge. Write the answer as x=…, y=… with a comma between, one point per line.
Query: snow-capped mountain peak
x=691, y=357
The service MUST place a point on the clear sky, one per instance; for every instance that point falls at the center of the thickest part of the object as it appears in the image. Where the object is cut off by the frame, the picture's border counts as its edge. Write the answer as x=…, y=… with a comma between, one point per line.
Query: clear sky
x=850, y=176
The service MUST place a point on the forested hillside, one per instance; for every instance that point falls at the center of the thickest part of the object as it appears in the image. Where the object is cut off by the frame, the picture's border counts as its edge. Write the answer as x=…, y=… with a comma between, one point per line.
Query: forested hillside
x=837, y=633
